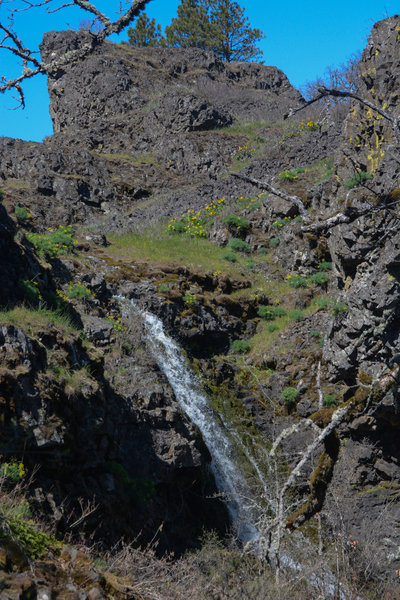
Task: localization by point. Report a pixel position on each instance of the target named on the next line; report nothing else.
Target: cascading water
(193, 401)
(217, 437)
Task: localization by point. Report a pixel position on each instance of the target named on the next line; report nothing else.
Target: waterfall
(195, 404)
(218, 436)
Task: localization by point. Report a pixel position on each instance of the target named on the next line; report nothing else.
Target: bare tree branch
(32, 66)
(276, 192)
(324, 91)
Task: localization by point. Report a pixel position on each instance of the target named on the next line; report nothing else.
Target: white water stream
(195, 404)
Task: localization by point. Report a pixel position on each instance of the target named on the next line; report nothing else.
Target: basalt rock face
(367, 252)
(123, 90)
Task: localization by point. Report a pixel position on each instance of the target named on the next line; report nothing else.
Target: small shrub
(163, 288)
(358, 178)
(176, 227)
(269, 313)
(249, 264)
(319, 278)
(244, 153)
(325, 265)
(30, 291)
(309, 126)
(116, 323)
(296, 314)
(315, 334)
(271, 327)
(22, 213)
(298, 219)
(240, 223)
(53, 243)
(324, 301)
(330, 400)
(339, 308)
(79, 291)
(281, 222)
(230, 256)
(127, 349)
(263, 251)
(289, 396)
(34, 543)
(297, 281)
(290, 175)
(190, 299)
(12, 471)
(240, 347)
(238, 245)
(273, 243)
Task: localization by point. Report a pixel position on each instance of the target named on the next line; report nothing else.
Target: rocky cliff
(283, 323)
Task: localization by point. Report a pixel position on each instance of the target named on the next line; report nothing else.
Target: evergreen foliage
(145, 33)
(217, 25)
(235, 40)
(191, 28)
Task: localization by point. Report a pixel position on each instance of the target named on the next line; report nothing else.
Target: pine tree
(235, 39)
(218, 25)
(145, 33)
(191, 27)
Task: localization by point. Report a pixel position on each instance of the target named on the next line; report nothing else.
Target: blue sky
(302, 39)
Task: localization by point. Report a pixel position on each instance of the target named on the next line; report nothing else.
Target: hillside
(286, 308)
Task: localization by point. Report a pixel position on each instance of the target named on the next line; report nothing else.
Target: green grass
(250, 129)
(162, 248)
(264, 339)
(31, 320)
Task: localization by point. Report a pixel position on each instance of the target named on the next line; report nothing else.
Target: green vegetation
(281, 222)
(32, 320)
(330, 400)
(290, 175)
(230, 256)
(195, 223)
(217, 25)
(339, 308)
(163, 288)
(358, 179)
(79, 291)
(35, 543)
(297, 281)
(324, 301)
(163, 248)
(12, 471)
(319, 278)
(53, 243)
(145, 33)
(296, 314)
(116, 322)
(273, 243)
(240, 223)
(289, 396)
(325, 266)
(23, 214)
(244, 153)
(30, 291)
(270, 313)
(240, 347)
(190, 299)
(238, 245)
(315, 334)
